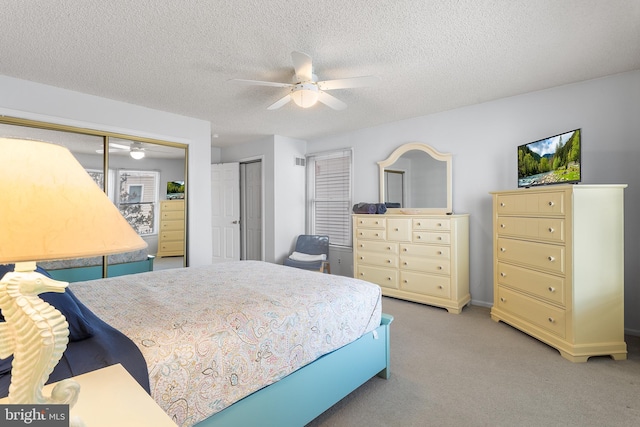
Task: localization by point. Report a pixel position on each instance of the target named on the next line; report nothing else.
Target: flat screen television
(553, 160)
(175, 190)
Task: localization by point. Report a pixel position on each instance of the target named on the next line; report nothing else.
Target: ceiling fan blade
(303, 66)
(331, 101)
(259, 83)
(348, 83)
(279, 103)
(118, 146)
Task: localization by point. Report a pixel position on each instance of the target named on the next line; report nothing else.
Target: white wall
(28, 100)
(483, 139)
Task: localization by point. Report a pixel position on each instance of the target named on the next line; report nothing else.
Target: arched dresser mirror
(418, 250)
(416, 178)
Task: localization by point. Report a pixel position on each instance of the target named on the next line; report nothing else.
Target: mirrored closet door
(144, 178)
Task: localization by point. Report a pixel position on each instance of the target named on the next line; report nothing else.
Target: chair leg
(325, 268)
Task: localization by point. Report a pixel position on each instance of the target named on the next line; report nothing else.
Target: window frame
(346, 238)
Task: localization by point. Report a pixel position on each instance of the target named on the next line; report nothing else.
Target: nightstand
(111, 397)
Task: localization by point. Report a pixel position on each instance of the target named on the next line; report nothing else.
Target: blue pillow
(66, 303)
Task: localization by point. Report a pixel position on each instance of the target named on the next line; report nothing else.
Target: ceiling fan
(135, 149)
(306, 90)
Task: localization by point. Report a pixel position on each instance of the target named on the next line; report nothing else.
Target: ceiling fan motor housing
(305, 94)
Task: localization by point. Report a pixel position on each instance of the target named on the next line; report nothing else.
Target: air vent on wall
(301, 161)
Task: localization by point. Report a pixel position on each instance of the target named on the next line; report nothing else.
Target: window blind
(329, 196)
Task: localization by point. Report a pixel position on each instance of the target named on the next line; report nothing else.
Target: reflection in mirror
(416, 179)
(136, 182)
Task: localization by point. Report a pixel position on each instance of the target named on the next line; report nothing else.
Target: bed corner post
(385, 322)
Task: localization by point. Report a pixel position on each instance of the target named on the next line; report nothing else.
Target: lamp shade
(52, 209)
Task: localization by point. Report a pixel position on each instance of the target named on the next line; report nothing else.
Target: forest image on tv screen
(552, 160)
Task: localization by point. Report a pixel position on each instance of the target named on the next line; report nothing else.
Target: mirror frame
(443, 157)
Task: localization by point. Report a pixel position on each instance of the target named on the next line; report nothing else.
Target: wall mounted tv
(553, 160)
(175, 190)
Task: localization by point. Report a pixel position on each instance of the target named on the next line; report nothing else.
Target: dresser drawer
(426, 265)
(172, 225)
(370, 222)
(399, 230)
(545, 203)
(376, 246)
(171, 246)
(550, 229)
(431, 237)
(371, 233)
(426, 284)
(387, 278)
(538, 255)
(172, 235)
(440, 252)
(543, 315)
(431, 224)
(171, 215)
(543, 285)
(172, 205)
(379, 259)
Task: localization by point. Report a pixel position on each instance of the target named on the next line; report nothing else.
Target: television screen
(553, 160)
(175, 190)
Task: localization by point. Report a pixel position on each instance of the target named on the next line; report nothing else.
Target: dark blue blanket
(93, 344)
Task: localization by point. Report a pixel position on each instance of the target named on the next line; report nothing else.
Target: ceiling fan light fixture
(305, 95)
(136, 153)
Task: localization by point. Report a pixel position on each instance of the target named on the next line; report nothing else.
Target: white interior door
(225, 211)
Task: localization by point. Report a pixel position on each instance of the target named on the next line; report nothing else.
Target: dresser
(420, 258)
(558, 262)
(172, 228)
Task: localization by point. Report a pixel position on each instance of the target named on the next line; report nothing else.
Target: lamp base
(36, 334)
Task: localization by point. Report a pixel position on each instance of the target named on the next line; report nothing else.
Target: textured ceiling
(431, 56)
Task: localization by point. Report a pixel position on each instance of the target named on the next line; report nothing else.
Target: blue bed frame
(306, 393)
(80, 274)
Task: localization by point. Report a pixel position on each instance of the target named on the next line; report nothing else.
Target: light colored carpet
(467, 370)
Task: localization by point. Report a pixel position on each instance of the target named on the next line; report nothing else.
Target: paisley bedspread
(214, 334)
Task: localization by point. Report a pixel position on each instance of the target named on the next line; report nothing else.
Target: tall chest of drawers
(559, 267)
(171, 234)
(421, 258)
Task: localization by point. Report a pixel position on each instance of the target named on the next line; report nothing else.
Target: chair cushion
(299, 256)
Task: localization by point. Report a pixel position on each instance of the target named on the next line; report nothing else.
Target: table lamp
(51, 209)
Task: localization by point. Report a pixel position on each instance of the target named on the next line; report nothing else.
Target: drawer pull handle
(439, 225)
(389, 278)
(377, 234)
(439, 286)
(503, 226)
(552, 289)
(551, 230)
(439, 237)
(419, 224)
(551, 320)
(405, 281)
(551, 203)
(439, 252)
(397, 229)
(503, 274)
(388, 248)
(377, 222)
(503, 250)
(388, 261)
(551, 259)
(361, 258)
(502, 204)
(439, 267)
(419, 237)
(406, 263)
(503, 299)
(405, 249)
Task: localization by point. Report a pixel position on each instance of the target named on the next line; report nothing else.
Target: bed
(81, 269)
(250, 343)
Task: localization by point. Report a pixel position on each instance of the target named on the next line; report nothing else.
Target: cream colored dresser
(421, 258)
(171, 237)
(559, 267)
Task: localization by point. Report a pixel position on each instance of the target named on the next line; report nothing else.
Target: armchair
(311, 253)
